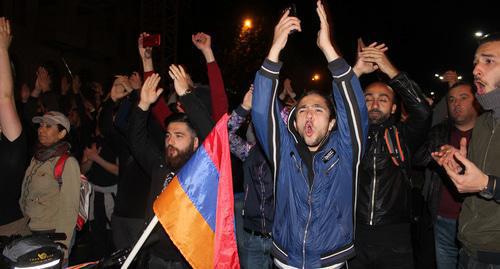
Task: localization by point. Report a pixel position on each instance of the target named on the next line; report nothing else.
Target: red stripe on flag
(226, 252)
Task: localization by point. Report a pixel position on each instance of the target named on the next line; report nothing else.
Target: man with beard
(443, 199)
(383, 208)
(475, 170)
(184, 132)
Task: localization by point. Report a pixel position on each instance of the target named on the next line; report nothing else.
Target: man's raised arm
(265, 113)
(352, 115)
(10, 125)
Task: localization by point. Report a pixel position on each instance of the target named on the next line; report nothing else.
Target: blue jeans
(445, 236)
(255, 251)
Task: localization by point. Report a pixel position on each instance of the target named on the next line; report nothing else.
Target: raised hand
(204, 43)
(363, 64)
(76, 84)
(181, 79)
(281, 32)
(471, 180)
(323, 41)
(118, 91)
(149, 92)
(91, 153)
(377, 56)
(5, 34)
(446, 154)
(42, 79)
(145, 53)
(135, 81)
(247, 99)
(124, 81)
(65, 85)
(451, 77)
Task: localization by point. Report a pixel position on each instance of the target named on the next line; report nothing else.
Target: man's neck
(465, 126)
(313, 149)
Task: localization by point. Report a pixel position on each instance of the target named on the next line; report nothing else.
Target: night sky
(424, 37)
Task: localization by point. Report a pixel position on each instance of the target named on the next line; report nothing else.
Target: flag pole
(140, 242)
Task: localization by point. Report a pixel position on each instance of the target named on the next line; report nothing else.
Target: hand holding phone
(293, 13)
(153, 40)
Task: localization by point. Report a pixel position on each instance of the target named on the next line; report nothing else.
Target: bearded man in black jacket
(383, 206)
(184, 132)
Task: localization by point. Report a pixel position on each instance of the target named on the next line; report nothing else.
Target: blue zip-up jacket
(313, 223)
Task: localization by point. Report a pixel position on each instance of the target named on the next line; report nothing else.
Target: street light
(247, 24)
(478, 34)
(440, 77)
(315, 77)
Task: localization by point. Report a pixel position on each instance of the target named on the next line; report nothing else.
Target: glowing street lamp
(247, 24)
(478, 34)
(315, 77)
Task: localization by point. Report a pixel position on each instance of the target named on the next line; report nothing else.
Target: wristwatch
(189, 90)
(489, 191)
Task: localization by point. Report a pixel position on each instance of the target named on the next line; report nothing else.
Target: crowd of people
(331, 179)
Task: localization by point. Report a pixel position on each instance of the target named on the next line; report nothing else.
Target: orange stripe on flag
(185, 225)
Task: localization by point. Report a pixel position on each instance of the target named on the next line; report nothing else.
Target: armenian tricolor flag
(197, 208)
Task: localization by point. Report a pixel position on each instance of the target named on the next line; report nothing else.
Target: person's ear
(331, 124)
(62, 134)
(195, 143)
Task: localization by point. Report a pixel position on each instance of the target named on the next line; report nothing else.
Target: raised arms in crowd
(10, 124)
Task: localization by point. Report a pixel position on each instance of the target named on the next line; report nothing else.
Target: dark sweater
(12, 165)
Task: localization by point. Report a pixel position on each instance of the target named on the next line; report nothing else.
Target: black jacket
(152, 159)
(435, 176)
(383, 192)
(259, 199)
(133, 183)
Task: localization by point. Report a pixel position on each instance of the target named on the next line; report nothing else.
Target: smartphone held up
(152, 40)
(293, 13)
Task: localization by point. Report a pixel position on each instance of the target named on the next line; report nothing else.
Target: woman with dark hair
(52, 204)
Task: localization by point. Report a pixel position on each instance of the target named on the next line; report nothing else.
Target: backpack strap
(58, 169)
(393, 143)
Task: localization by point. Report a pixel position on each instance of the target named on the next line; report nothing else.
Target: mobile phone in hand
(152, 40)
(293, 13)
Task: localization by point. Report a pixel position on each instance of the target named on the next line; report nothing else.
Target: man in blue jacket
(315, 157)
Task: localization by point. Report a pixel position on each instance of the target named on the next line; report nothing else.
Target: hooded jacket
(314, 192)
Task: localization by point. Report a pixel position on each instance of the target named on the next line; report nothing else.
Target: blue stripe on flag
(199, 179)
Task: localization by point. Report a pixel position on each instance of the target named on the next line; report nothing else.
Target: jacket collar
(375, 128)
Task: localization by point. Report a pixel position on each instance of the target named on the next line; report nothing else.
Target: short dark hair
(180, 117)
(328, 100)
(489, 38)
(462, 83)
